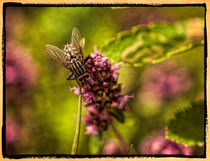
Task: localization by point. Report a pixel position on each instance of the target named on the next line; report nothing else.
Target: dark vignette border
(11, 4)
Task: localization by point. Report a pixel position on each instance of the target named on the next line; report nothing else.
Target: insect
(72, 57)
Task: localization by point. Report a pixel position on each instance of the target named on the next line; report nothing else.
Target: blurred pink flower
(20, 68)
(156, 143)
(163, 82)
(92, 129)
(111, 147)
(12, 130)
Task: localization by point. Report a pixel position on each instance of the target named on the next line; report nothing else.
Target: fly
(71, 57)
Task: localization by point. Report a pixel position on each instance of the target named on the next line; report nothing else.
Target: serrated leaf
(118, 114)
(151, 44)
(188, 126)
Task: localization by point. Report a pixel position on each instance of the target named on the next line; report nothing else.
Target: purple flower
(156, 143)
(100, 93)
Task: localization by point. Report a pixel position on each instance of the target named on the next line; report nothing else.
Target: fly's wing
(77, 40)
(57, 54)
(76, 37)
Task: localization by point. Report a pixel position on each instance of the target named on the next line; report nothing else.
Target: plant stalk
(120, 138)
(77, 132)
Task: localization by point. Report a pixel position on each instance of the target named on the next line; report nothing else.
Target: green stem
(127, 149)
(120, 138)
(77, 132)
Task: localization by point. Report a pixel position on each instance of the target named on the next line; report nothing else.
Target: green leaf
(118, 114)
(151, 44)
(188, 126)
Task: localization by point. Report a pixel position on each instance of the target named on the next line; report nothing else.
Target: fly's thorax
(71, 52)
(74, 59)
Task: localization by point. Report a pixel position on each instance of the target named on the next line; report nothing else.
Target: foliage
(116, 113)
(149, 44)
(188, 125)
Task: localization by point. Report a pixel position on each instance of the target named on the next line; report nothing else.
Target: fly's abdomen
(78, 68)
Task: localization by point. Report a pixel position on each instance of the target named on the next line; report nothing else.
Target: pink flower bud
(90, 80)
(93, 69)
(89, 61)
(92, 109)
(98, 59)
(123, 100)
(116, 66)
(87, 120)
(114, 76)
(76, 90)
(105, 84)
(91, 129)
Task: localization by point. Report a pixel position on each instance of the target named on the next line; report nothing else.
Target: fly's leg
(85, 60)
(69, 77)
(78, 82)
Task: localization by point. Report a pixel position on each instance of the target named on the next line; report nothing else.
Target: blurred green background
(40, 109)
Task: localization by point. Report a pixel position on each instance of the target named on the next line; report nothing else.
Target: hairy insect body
(75, 61)
(71, 57)
(71, 53)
